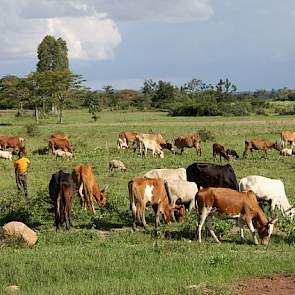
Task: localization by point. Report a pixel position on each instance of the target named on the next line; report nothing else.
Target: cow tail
(131, 194)
(196, 201)
(168, 191)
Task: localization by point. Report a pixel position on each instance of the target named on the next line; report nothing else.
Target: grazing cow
(188, 141)
(232, 153)
(152, 137)
(17, 143)
(146, 144)
(179, 212)
(59, 135)
(6, 155)
(62, 154)
(61, 191)
(270, 190)
(179, 173)
(60, 144)
(287, 136)
(218, 149)
(212, 175)
(182, 191)
(88, 187)
(286, 152)
(116, 164)
(261, 145)
(125, 139)
(143, 190)
(232, 204)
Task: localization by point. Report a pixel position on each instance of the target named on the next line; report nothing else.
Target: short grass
(90, 259)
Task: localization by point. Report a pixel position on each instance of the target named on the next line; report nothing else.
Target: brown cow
(287, 136)
(218, 149)
(188, 141)
(61, 191)
(88, 187)
(233, 204)
(126, 138)
(17, 143)
(59, 135)
(260, 144)
(143, 190)
(60, 144)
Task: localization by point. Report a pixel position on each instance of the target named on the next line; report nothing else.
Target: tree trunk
(36, 114)
(43, 105)
(60, 115)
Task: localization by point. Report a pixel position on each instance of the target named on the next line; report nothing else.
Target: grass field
(95, 257)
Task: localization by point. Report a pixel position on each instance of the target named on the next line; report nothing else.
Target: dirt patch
(276, 285)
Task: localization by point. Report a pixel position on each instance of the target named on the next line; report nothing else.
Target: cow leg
(241, 226)
(134, 215)
(209, 224)
(203, 216)
(181, 151)
(156, 208)
(252, 230)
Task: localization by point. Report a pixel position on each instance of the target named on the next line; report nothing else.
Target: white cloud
(24, 23)
(88, 26)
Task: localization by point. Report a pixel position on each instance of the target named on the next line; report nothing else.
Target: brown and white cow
(88, 187)
(287, 136)
(218, 149)
(260, 145)
(188, 141)
(148, 190)
(15, 142)
(60, 144)
(232, 204)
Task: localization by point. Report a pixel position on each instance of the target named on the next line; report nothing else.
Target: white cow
(167, 174)
(6, 155)
(62, 154)
(286, 152)
(268, 189)
(182, 190)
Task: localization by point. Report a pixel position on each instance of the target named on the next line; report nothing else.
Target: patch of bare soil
(276, 285)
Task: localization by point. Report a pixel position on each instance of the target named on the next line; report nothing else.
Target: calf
(125, 139)
(270, 190)
(260, 145)
(148, 190)
(218, 149)
(6, 155)
(173, 174)
(234, 205)
(61, 191)
(188, 141)
(116, 164)
(62, 154)
(212, 175)
(232, 153)
(146, 144)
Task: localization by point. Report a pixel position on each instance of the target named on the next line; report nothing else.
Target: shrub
(206, 135)
(32, 130)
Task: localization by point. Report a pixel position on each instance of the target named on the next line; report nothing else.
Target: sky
(123, 42)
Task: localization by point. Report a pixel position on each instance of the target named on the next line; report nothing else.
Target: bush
(32, 130)
(206, 135)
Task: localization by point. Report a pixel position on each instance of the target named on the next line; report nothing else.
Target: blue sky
(121, 43)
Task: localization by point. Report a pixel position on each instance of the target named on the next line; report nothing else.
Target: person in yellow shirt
(21, 173)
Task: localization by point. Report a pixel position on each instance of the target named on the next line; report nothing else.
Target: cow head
(179, 212)
(277, 146)
(265, 231)
(101, 197)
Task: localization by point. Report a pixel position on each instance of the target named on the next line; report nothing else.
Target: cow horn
(106, 188)
(273, 221)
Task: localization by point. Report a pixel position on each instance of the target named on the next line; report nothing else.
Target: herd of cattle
(209, 188)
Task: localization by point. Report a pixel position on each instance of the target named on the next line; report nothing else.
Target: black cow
(61, 191)
(232, 153)
(211, 175)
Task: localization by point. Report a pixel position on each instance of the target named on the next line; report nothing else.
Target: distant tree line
(53, 87)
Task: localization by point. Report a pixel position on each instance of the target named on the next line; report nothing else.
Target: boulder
(18, 230)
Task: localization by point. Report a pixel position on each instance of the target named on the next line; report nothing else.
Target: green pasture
(100, 254)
